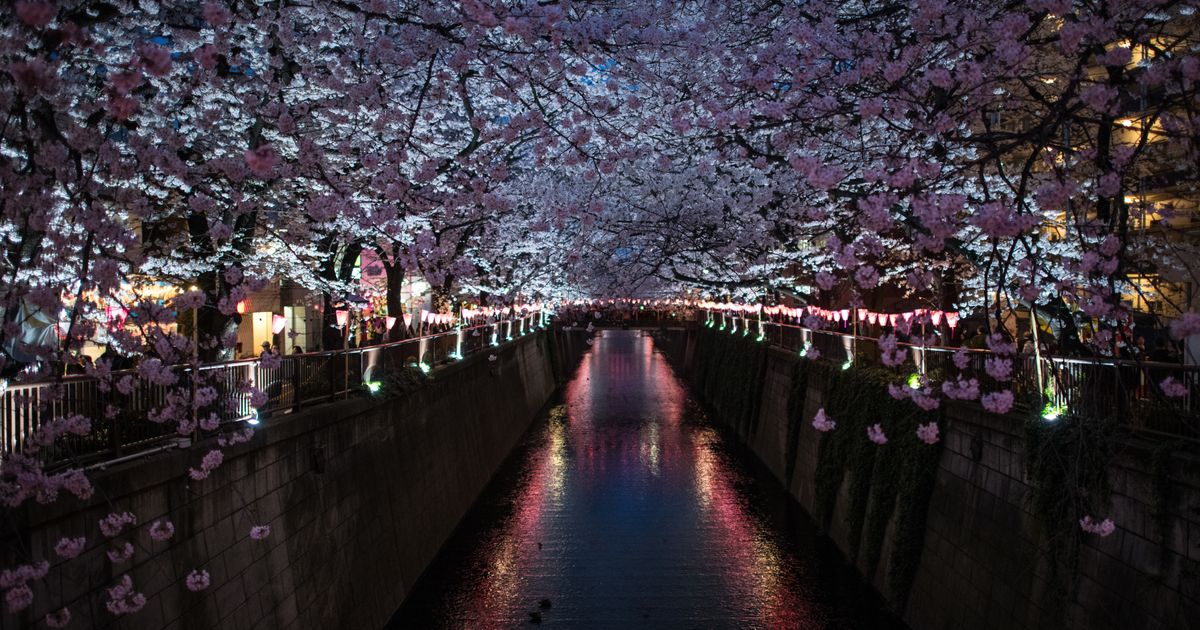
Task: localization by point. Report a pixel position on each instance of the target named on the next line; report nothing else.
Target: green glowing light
(760, 337)
(847, 364)
(373, 386)
(1052, 412)
(914, 381)
(425, 367)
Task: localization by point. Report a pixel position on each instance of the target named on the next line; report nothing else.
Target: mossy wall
(955, 535)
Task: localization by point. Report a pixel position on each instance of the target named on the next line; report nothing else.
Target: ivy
(730, 370)
(888, 485)
(1067, 468)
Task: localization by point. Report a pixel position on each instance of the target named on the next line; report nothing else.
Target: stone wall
(984, 563)
(360, 496)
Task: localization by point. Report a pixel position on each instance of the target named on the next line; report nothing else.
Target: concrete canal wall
(953, 535)
(360, 496)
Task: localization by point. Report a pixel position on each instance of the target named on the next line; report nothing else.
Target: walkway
(629, 510)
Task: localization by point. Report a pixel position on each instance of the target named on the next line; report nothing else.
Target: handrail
(299, 380)
(1130, 392)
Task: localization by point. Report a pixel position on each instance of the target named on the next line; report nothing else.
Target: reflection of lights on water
(556, 461)
(650, 446)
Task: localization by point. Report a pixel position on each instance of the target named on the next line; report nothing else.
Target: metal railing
(1099, 388)
(122, 409)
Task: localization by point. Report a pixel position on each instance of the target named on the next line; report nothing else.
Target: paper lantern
(844, 314)
(407, 320)
(424, 316)
(936, 316)
(342, 316)
(241, 307)
(862, 314)
(277, 323)
(871, 317)
(892, 319)
(908, 316)
(389, 322)
(952, 320)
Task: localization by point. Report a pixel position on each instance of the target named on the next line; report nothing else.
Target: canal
(627, 508)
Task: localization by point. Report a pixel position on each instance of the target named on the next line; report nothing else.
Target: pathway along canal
(626, 508)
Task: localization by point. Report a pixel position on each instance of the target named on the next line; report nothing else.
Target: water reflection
(628, 510)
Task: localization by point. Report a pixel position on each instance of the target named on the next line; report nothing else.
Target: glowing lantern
(389, 322)
(343, 317)
(908, 316)
(277, 323)
(407, 320)
(892, 319)
(844, 314)
(952, 320)
(871, 317)
(241, 307)
(862, 314)
(937, 317)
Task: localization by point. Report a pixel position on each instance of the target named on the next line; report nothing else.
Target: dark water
(631, 511)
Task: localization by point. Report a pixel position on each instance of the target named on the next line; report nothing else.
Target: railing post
(297, 364)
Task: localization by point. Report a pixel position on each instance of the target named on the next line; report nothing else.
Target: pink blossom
(206, 56)
(961, 389)
(113, 524)
(262, 160)
(1186, 325)
(122, 599)
(998, 402)
(23, 573)
(258, 398)
(998, 344)
(120, 554)
(998, 368)
(59, 618)
(925, 399)
(1102, 529)
(899, 392)
(237, 437)
(35, 13)
(962, 359)
(825, 280)
(208, 463)
(875, 434)
(18, 598)
(32, 76)
(215, 13)
(822, 423)
(155, 59)
(1172, 388)
(70, 547)
(197, 580)
(889, 352)
(928, 433)
(162, 530)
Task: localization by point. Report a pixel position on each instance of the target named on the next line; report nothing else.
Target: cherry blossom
(875, 434)
(928, 433)
(1103, 528)
(822, 423)
(998, 402)
(162, 530)
(197, 580)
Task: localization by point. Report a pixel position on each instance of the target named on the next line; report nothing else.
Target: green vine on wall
(730, 371)
(888, 484)
(1067, 467)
